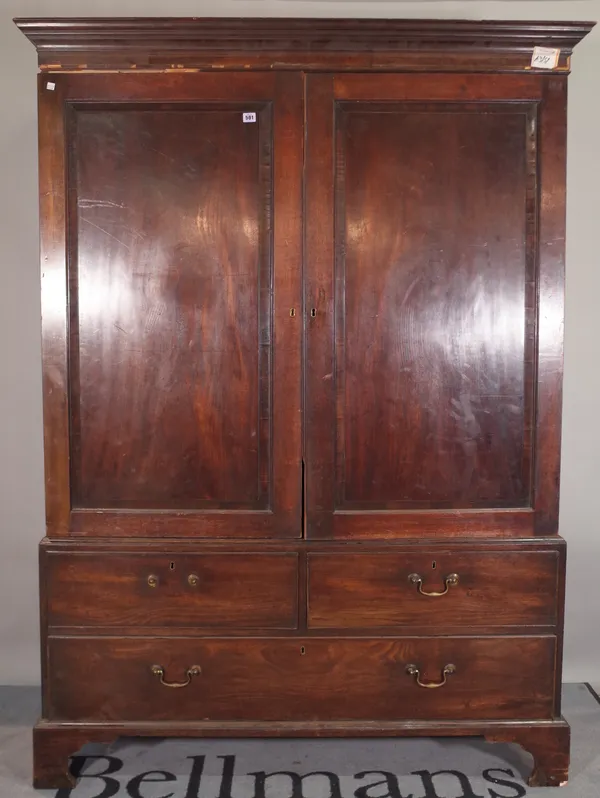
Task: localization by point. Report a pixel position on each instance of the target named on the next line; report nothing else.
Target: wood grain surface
(365, 590)
(226, 590)
(310, 679)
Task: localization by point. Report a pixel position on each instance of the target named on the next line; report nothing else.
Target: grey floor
(353, 767)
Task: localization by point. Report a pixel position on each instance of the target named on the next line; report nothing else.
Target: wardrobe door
(172, 248)
(435, 244)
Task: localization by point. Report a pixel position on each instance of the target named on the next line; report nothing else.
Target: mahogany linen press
(302, 293)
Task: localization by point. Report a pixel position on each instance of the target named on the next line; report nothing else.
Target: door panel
(431, 258)
(171, 258)
(183, 359)
(423, 272)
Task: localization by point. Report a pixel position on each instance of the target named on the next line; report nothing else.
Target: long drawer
(224, 590)
(300, 679)
(448, 589)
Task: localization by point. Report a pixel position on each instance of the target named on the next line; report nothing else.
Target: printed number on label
(249, 117)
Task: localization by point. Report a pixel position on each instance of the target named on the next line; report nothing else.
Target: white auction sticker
(249, 117)
(545, 57)
(50, 86)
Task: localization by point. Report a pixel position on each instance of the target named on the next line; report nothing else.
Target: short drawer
(300, 679)
(155, 590)
(432, 589)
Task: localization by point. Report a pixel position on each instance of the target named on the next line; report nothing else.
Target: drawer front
(154, 590)
(300, 679)
(479, 589)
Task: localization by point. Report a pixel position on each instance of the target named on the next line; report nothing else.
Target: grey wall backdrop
(21, 466)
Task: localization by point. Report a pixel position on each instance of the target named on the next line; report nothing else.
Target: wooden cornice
(261, 43)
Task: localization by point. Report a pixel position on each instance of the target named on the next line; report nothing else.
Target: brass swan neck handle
(158, 670)
(451, 580)
(412, 670)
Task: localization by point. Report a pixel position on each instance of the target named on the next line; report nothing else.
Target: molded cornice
(158, 42)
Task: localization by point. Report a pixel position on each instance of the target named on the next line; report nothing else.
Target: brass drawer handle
(451, 580)
(158, 670)
(412, 670)
(193, 580)
(152, 580)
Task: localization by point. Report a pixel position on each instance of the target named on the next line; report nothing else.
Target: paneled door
(434, 254)
(167, 307)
